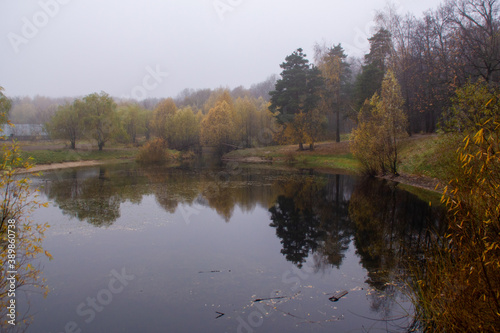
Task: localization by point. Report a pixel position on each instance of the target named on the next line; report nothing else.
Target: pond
(225, 250)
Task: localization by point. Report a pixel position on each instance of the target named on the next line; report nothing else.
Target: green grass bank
(422, 160)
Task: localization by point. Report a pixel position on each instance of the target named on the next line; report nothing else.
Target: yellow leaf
(49, 255)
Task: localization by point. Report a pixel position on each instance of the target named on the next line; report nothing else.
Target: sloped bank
(336, 157)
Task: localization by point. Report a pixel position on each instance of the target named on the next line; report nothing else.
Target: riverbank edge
(418, 181)
(72, 164)
(305, 161)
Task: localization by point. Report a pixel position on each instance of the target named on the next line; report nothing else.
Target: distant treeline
(221, 121)
(40, 109)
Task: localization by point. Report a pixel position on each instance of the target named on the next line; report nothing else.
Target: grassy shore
(326, 155)
(50, 152)
(420, 165)
(418, 156)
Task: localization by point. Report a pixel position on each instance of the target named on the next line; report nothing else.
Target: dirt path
(64, 165)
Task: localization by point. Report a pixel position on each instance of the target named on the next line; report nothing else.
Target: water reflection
(310, 216)
(95, 195)
(389, 224)
(313, 215)
(334, 225)
(88, 196)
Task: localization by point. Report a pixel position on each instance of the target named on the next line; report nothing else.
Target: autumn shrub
(188, 155)
(304, 128)
(20, 238)
(290, 158)
(153, 152)
(382, 124)
(366, 149)
(458, 287)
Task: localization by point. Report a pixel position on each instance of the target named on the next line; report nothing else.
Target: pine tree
(370, 79)
(297, 92)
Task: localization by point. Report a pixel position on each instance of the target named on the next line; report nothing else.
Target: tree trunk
(301, 146)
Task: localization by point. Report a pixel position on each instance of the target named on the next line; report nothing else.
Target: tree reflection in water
(320, 217)
(88, 195)
(313, 215)
(310, 217)
(389, 224)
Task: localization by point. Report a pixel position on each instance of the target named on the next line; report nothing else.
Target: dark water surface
(229, 250)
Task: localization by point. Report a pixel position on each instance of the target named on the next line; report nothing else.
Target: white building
(24, 132)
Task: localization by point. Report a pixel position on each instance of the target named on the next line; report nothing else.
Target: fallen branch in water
(338, 296)
(269, 299)
(277, 297)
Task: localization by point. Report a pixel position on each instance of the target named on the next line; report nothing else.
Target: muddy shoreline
(67, 165)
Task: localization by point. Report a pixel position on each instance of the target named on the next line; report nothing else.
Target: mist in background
(155, 49)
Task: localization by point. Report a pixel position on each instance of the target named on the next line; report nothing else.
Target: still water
(225, 250)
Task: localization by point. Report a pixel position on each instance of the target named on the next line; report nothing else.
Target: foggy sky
(156, 48)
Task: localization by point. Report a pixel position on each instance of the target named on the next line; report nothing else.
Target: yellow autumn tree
(217, 128)
(217, 96)
(382, 126)
(185, 129)
(161, 122)
(296, 130)
(459, 288)
(366, 145)
(20, 238)
(253, 122)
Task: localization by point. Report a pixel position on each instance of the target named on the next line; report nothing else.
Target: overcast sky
(156, 48)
